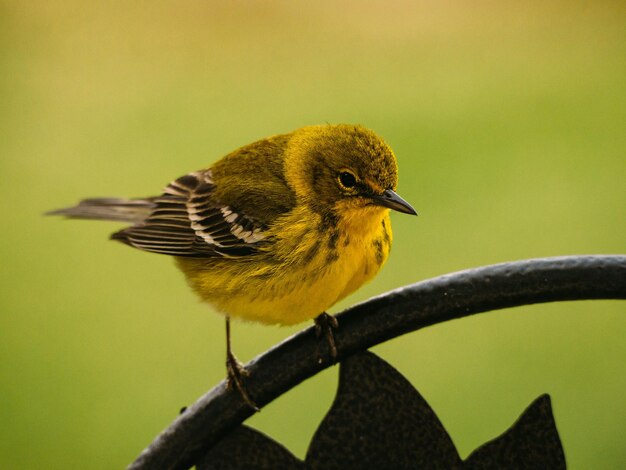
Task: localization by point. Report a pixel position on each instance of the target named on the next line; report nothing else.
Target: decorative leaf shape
(379, 420)
(532, 442)
(247, 449)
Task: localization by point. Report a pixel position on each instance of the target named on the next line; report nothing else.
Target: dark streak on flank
(311, 252)
(378, 249)
(332, 256)
(386, 237)
(332, 239)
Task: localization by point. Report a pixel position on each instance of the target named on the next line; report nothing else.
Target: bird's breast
(308, 269)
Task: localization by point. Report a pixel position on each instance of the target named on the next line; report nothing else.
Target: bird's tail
(123, 210)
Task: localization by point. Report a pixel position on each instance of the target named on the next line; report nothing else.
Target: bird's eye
(347, 179)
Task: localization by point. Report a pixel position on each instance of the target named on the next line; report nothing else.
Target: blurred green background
(508, 120)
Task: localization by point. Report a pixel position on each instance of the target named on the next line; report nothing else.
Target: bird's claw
(235, 379)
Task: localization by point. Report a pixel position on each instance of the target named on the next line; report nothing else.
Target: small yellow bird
(275, 232)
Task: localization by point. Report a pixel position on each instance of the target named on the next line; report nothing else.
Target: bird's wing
(186, 221)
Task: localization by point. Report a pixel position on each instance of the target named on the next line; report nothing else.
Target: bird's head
(346, 168)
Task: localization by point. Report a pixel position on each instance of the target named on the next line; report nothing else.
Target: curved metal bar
(381, 318)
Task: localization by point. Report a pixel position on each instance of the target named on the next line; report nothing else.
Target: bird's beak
(391, 200)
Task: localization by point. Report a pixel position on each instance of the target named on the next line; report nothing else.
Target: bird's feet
(235, 379)
(325, 324)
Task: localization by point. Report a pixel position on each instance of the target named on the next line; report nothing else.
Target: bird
(275, 232)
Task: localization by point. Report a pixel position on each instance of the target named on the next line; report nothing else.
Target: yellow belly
(305, 279)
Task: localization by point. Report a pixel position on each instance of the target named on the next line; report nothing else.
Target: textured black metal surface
(378, 420)
(532, 442)
(379, 319)
(247, 449)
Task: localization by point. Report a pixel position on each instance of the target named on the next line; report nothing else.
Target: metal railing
(379, 319)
